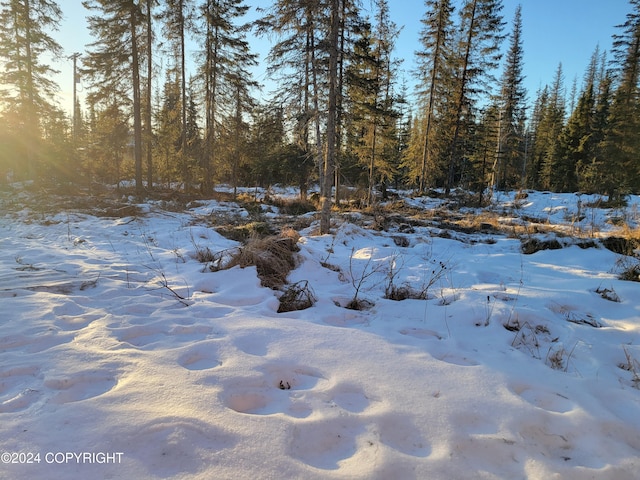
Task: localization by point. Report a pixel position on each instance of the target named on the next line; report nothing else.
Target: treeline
(340, 114)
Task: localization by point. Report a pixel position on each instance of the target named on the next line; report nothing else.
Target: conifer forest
(171, 101)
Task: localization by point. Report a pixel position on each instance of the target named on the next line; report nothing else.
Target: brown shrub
(273, 257)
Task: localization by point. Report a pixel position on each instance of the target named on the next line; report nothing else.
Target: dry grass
(274, 257)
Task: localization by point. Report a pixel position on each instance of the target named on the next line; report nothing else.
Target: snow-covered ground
(122, 356)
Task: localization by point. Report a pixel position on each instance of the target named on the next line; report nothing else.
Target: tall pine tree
(623, 140)
(478, 55)
(512, 105)
(224, 44)
(26, 89)
(436, 38)
(113, 62)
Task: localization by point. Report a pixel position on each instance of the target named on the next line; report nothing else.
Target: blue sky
(554, 31)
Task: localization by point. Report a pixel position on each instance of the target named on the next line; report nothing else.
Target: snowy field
(124, 357)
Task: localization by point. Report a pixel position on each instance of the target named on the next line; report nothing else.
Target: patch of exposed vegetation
(274, 257)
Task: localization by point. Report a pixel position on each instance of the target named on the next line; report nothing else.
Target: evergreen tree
(479, 53)
(108, 144)
(148, 93)
(435, 38)
(192, 130)
(594, 174)
(485, 156)
(512, 104)
(266, 141)
(575, 144)
(296, 61)
(169, 130)
(548, 135)
(224, 44)
(242, 104)
(175, 15)
(27, 91)
(113, 62)
(623, 140)
(537, 134)
(369, 87)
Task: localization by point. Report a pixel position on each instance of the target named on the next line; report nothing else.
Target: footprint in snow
(148, 335)
(21, 401)
(543, 399)
(16, 393)
(282, 388)
(80, 386)
(199, 357)
(420, 333)
(327, 444)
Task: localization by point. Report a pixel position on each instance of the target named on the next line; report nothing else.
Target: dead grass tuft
(274, 257)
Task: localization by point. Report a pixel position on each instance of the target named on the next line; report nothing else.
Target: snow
(115, 340)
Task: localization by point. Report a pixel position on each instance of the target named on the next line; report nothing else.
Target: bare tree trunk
(460, 99)
(426, 156)
(329, 163)
(137, 113)
(183, 89)
(148, 121)
(31, 117)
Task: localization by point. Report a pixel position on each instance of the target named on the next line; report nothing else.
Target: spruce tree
(369, 88)
(512, 105)
(175, 16)
(575, 144)
(622, 144)
(297, 61)
(169, 131)
(223, 45)
(478, 55)
(27, 91)
(436, 38)
(113, 62)
(548, 135)
(594, 175)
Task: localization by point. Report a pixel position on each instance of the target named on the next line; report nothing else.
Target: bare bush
(298, 296)
(631, 365)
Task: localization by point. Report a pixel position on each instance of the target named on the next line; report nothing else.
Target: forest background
(170, 100)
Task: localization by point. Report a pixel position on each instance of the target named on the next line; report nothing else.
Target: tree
(175, 16)
(551, 122)
(108, 142)
(373, 115)
(169, 129)
(512, 106)
(241, 104)
(297, 60)
(623, 140)
(113, 62)
(332, 111)
(479, 47)
(148, 109)
(26, 88)
(435, 37)
(594, 174)
(224, 47)
(575, 144)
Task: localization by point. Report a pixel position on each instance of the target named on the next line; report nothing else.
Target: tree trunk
(329, 163)
(460, 99)
(137, 114)
(148, 120)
